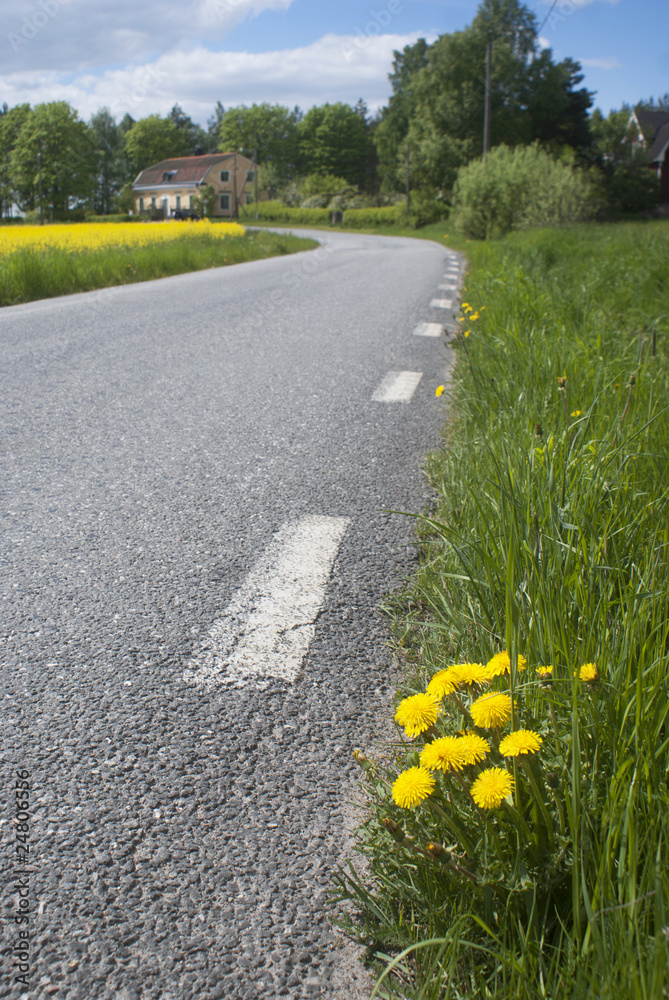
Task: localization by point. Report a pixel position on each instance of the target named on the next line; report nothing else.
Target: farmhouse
(174, 185)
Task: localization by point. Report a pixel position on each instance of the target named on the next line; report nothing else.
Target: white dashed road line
(441, 303)
(268, 626)
(429, 330)
(397, 387)
(450, 287)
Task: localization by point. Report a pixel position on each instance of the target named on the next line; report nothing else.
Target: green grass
(27, 275)
(548, 536)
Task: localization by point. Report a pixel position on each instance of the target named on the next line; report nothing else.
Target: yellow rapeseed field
(100, 235)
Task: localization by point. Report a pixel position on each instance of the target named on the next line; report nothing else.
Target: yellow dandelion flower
(443, 683)
(576, 413)
(461, 319)
(491, 788)
(545, 673)
(501, 664)
(466, 306)
(417, 713)
(491, 710)
(412, 787)
(588, 672)
(519, 742)
(481, 308)
(470, 673)
(474, 315)
(474, 748)
(444, 754)
(438, 391)
(467, 332)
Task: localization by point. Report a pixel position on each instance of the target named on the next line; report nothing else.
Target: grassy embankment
(41, 262)
(548, 539)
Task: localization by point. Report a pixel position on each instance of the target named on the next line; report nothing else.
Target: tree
(440, 91)
(334, 139)
(153, 139)
(11, 123)
(214, 126)
(393, 125)
(68, 157)
(269, 130)
(627, 182)
(110, 166)
(197, 140)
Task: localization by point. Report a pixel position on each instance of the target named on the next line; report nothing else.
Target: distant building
(174, 185)
(652, 129)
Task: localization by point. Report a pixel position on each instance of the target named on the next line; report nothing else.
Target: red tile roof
(187, 169)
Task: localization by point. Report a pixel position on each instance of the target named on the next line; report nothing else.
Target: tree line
(433, 123)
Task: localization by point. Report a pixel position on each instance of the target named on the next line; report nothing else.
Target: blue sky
(143, 56)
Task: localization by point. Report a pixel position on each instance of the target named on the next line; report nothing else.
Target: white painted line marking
(441, 303)
(450, 287)
(397, 387)
(429, 330)
(268, 626)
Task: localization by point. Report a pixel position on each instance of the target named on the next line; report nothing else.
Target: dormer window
(225, 176)
(168, 175)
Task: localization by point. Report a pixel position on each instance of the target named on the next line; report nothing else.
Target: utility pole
(408, 180)
(234, 185)
(486, 103)
(39, 164)
(255, 177)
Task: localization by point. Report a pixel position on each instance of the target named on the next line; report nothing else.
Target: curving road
(198, 476)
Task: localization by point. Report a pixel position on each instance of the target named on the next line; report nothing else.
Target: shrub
(366, 218)
(519, 188)
(426, 208)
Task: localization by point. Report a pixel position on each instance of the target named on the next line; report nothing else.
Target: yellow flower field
(101, 235)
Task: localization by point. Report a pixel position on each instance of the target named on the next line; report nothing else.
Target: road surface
(198, 479)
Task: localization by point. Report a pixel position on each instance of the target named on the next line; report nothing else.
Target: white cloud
(610, 63)
(71, 35)
(333, 68)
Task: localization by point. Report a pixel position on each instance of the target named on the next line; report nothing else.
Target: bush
(426, 208)
(366, 218)
(629, 187)
(276, 211)
(519, 188)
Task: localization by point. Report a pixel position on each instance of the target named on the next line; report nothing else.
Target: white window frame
(225, 176)
(224, 198)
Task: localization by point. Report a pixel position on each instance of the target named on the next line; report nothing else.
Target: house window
(141, 204)
(177, 202)
(191, 201)
(225, 176)
(225, 202)
(250, 175)
(153, 201)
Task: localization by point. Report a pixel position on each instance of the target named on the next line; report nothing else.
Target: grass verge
(535, 864)
(29, 274)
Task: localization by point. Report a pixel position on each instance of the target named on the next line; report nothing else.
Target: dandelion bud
(394, 829)
(562, 382)
(552, 780)
(538, 430)
(359, 757)
(436, 849)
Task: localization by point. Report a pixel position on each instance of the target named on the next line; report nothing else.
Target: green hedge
(365, 218)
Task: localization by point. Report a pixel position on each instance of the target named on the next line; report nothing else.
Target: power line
(547, 16)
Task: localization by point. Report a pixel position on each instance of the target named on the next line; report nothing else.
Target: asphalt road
(158, 441)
